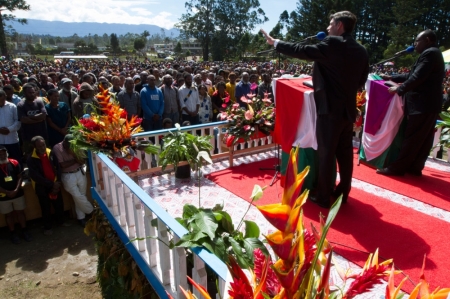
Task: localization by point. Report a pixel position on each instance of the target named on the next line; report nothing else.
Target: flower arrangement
(305, 258)
(107, 130)
(360, 107)
(243, 123)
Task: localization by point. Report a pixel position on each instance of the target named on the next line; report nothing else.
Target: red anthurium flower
(245, 100)
(230, 140)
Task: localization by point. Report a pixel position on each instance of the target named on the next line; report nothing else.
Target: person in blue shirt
(10, 95)
(58, 118)
(243, 89)
(152, 103)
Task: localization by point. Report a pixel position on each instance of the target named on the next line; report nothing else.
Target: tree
(139, 44)
(30, 48)
(114, 43)
(92, 48)
(198, 23)
(178, 49)
(80, 46)
(207, 19)
(244, 44)
(9, 5)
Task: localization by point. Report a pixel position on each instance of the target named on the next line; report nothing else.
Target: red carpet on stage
(433, 187)
(241, 179)
(366, 223)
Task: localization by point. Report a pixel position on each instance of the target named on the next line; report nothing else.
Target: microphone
(320, 36)
(408, 50)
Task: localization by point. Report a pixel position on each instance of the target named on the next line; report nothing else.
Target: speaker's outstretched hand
(270, 40)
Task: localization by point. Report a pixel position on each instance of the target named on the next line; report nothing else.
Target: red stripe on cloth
(289, 104)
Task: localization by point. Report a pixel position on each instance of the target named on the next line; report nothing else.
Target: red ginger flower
(372, 274)
(239, 290)
(272, 284)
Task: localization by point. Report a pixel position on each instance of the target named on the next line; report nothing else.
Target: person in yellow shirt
(231, 86)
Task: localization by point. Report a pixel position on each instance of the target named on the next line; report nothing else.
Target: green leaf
(189, 211)
(217, 208)
(218, 216)
(257, 193)
(239, 254)
(251, 229)
(185, 241)
(219, 248)
(206, 222)
(227, 223)
(331, 216)
(250, 244)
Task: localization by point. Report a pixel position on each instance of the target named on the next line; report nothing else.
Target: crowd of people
(41, 99)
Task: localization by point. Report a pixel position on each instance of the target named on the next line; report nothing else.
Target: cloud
(100, 11)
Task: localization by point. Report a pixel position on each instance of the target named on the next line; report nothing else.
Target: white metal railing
(131, 211)
(219, 150)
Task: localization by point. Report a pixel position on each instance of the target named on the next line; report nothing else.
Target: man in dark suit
(340, 69)
(422, 88)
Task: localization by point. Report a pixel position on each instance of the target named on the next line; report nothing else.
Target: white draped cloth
(375, 145)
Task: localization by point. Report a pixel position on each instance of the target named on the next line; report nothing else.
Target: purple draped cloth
(379, 100)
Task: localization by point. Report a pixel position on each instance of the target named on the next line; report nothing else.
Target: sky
(161, 13)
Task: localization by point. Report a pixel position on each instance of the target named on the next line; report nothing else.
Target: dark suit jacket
(340, 69)
(422, 86)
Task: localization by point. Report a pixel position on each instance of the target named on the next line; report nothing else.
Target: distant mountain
(63, 29)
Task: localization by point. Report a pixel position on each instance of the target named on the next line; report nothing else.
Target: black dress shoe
(336, 195)
(415, 172)
(388, 172)
(315, 200)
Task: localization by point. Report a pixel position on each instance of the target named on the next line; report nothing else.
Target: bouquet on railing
(259, 117)
(305, 257)
(107, 130)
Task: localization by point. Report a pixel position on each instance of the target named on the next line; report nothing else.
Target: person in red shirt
(12, 201)
(44, 171)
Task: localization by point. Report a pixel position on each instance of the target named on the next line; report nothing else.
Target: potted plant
(444, 123)
(182, 146)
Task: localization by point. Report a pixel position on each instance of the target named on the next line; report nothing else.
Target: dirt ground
(62, 265)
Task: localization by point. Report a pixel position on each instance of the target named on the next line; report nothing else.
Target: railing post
(164, 253)
(151, 242)
(131, 223)
(121, 199)
(139, 217)
(114, 199)
(199, 274)
(179, 268)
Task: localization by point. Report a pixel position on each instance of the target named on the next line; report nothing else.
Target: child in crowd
(205, 112)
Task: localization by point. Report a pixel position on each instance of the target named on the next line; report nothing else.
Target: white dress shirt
(192, 100)
(9, 119)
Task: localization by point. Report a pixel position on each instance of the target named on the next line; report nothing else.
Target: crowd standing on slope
(40, 99)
